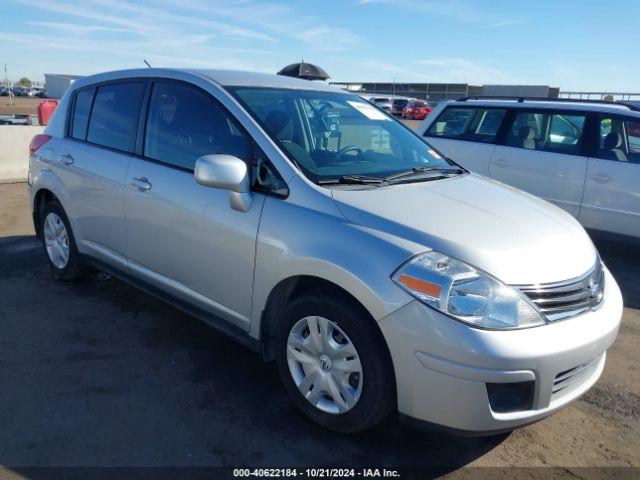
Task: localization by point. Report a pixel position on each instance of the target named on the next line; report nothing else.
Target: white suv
(582, 156)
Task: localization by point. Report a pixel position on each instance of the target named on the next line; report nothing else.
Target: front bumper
(443, 366)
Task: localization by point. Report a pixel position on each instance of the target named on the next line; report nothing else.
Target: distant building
(436, 92)
(431, 91)
(521, 91)
(57, 84)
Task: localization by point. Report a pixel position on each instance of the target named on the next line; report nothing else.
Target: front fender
(296, 240)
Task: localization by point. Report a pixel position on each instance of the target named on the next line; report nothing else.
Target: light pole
(394, 85)
(6, 78)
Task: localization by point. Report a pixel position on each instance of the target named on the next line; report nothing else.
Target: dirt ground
(21, 106)
(98, 374)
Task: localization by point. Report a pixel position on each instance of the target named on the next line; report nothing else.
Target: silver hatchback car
(317, 230)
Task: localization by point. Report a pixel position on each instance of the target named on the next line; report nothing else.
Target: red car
(416, 110)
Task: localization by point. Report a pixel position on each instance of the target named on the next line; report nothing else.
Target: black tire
(74, 268)
(378, 397)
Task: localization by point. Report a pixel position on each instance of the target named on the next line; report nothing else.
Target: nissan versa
(314, 228)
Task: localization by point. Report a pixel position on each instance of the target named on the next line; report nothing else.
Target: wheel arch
(41, 197)
(283, 293)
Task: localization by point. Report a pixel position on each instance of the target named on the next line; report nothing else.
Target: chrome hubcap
(324, 364)
(56, 240)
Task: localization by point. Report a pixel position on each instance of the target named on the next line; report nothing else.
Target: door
(467, 135)
(611, 199)
(542, 155)
(92, 164)
(183, 237)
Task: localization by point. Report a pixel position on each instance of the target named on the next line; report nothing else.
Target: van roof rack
(630, 106)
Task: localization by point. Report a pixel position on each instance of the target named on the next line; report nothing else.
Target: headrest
(612, 140)
(277, 120)
(527, 133)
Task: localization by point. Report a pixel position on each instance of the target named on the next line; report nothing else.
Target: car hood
(512, 235)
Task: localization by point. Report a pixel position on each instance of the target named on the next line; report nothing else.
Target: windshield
(328, 135)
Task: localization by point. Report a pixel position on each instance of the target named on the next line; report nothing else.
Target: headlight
(465, 292)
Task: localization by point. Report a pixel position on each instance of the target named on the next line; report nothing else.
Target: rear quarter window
(81, 110)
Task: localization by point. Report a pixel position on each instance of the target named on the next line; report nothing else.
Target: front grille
(561, 300)
(567, 381)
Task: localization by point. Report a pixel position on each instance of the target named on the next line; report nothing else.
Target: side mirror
(228, 173)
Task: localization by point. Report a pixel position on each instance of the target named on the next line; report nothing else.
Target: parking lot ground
(97, 374)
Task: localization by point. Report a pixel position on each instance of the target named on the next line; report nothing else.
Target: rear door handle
(67, 159)
(601, 178)
(140, 184)
(502, 162)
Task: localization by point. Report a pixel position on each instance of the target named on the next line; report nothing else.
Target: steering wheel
(351, 148)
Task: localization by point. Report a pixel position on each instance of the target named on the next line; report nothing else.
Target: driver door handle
(67, 159)
(601, 177)
(140, 184)
(502, 162)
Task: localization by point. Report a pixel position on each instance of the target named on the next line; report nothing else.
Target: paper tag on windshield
(380, 139)
(368, 110)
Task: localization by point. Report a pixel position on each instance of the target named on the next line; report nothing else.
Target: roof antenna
(145, 61)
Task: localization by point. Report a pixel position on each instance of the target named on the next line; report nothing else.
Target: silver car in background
(317, 230)
(381, 102)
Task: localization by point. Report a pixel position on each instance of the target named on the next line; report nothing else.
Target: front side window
(82, 108)
(474, 124)
(185, 123)
(114, 115)
(619, 139)
(548, 132)
(329, 134)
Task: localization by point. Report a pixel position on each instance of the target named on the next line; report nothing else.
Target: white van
(582, 156)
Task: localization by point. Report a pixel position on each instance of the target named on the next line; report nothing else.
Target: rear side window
(81, 111)
(619, 139)
(474, 124)
(548, 132)
(185, 123)
(114, 116)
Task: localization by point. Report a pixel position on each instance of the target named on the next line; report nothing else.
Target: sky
(575, 45)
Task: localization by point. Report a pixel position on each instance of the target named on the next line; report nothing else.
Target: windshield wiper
(351, 180)
(420, 170)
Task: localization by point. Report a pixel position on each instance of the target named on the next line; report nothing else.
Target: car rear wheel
(334, 362)
(59, 244)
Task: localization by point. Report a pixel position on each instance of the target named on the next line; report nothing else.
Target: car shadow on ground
(100, 374)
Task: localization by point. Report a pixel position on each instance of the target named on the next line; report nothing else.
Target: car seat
(281, 126)
(612, 143)
(527, 136)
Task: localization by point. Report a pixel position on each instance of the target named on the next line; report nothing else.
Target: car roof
(225, 78)
(554, 104)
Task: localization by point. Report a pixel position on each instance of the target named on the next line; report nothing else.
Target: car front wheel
(334, 362)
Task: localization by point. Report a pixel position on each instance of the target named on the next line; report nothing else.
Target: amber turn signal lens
(419, 285)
